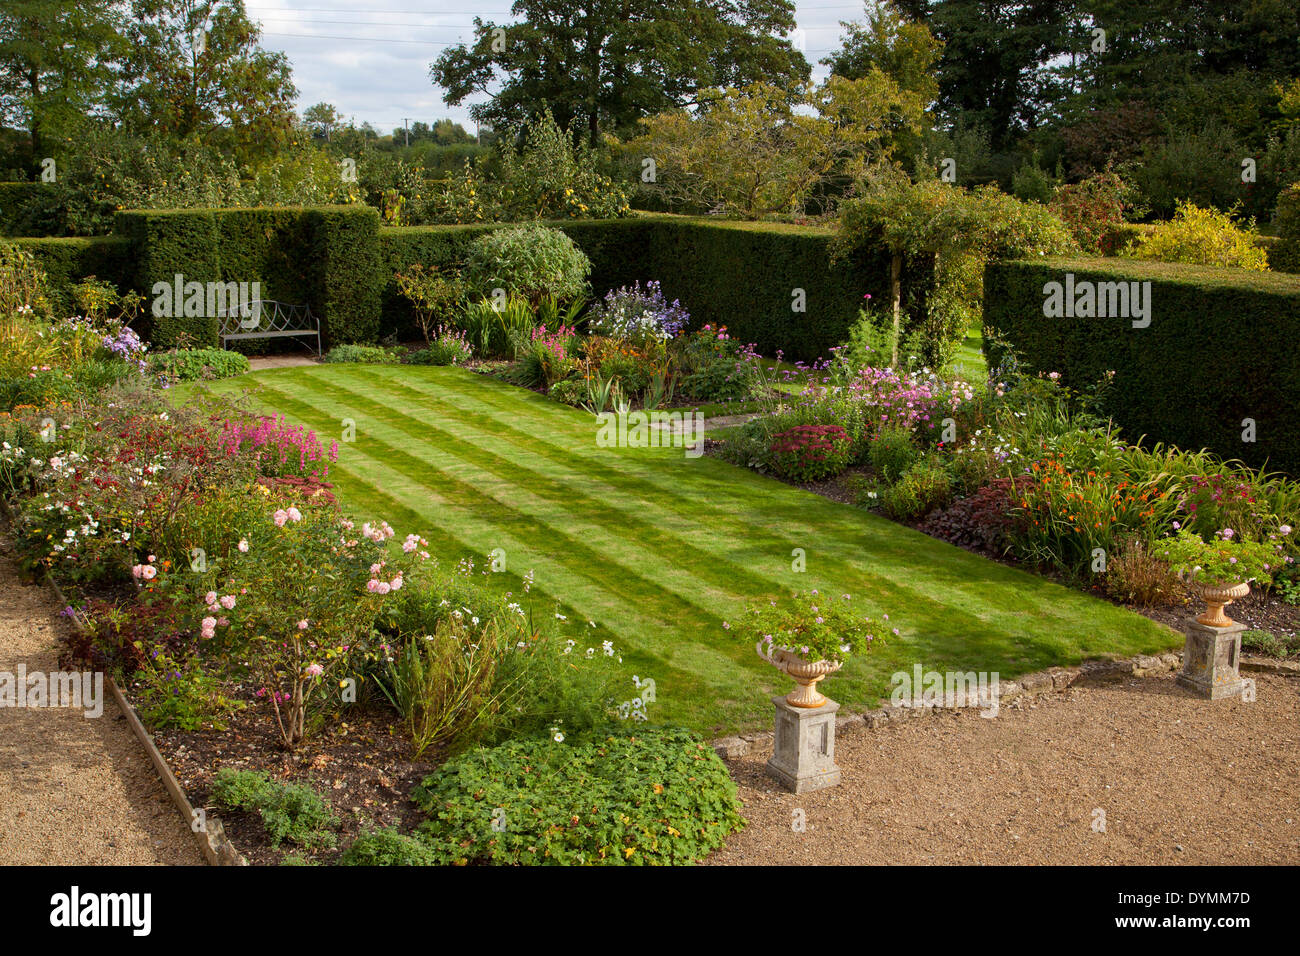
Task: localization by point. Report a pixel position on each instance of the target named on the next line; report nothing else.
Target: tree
(197, 70)
(994, 60)
(905, 51)
(605, 64)
(759, 149)
(960, 228)
(321, 119)
(56, 62)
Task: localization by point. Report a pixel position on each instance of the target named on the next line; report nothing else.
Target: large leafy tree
(56, 62)
(761, 149)
(993, 68)
(197, 71)
(605, 64)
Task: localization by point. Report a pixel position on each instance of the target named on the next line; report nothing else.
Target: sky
(370, 58)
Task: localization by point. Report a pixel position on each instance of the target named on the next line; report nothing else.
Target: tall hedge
(323, 257)
(741, 275)
(20, 215)
(1220, 349)
(67, 261)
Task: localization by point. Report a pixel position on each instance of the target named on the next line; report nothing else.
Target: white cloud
(372, 62)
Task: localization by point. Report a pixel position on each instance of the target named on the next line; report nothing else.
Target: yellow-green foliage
(1206, 237)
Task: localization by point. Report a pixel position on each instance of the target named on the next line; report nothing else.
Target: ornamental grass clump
(814, 626)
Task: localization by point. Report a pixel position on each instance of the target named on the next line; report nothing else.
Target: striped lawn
(659, 550)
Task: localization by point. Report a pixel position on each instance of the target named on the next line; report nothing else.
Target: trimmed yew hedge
(738, 274)
(67, 261)
(324, 257)
(1221, 348)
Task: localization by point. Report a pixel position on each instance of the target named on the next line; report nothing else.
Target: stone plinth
(1210, 659)
(803, 752)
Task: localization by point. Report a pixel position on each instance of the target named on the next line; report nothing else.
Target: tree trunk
(895, 291)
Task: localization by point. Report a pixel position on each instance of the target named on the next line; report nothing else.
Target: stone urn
(1215, 597)
(806, 674)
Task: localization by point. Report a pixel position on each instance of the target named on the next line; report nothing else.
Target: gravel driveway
(73, 790)
(1180, 780)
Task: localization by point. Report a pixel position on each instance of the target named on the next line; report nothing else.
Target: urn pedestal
(803, 752)
(1210, 659)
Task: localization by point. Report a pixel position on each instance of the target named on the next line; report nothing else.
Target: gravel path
(1181, 780)
(73, 790)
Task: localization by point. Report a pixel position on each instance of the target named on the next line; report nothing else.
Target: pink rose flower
(228, 601)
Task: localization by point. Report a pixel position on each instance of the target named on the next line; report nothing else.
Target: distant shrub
(188, 365)
(1207, 237)
(369, 354)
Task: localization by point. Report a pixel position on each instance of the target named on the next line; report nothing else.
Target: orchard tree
(605, 64)
(760, 149)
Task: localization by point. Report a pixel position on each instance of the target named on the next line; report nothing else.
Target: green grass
(659, 550)
(969, 361)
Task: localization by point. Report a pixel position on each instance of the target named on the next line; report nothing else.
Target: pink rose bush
(296, 604)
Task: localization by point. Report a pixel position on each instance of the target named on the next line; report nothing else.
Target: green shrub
(1286, 217)
(66, 261)
(1175, 381)
(1269, 644)
(187, 365)
(892, 452)
(571, 391)
(370, 354)
(532, 261)
(655, 797)
(289, 811)
(387, 848)
(1206, 237)
(811, 452)
(918, 492)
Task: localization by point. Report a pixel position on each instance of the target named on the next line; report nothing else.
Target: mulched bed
(363, 767)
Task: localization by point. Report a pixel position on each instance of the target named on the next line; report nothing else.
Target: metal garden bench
(268, 319)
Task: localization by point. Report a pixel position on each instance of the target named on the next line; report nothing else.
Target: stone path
(73, 791)
(259, 363)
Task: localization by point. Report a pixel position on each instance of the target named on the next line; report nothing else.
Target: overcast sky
(370, 58)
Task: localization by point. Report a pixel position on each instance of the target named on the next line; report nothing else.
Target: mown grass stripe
(577, 557)
(921, 591)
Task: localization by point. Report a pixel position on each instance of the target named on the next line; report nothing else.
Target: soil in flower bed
(363, 767)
